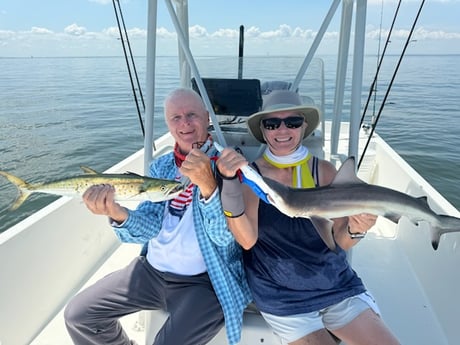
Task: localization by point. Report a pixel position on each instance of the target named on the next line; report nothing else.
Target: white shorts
(294, 327)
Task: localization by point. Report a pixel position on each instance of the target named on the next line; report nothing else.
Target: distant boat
(48, 257)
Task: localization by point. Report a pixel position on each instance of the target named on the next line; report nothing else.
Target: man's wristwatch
(356, 235)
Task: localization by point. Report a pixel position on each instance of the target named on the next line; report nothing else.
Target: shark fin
(347, 173)
(423, 199)
(324, 228)
(435, 237)
(394, 217)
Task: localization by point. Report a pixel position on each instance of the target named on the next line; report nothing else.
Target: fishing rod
(408, 40)
(127, 63)
(373, 87)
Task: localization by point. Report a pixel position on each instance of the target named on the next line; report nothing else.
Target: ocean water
(59, 113)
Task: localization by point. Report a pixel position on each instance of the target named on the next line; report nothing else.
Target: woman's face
(283, 131)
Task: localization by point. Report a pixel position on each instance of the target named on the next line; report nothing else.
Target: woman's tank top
(291, 271)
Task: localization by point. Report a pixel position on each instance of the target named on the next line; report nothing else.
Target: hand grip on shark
(252, 178)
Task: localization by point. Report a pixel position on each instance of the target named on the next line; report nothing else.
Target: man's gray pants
(195, 315)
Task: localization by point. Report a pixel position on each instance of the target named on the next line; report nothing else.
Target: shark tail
(22, 186)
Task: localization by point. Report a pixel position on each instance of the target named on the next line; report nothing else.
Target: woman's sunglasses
(290, 122)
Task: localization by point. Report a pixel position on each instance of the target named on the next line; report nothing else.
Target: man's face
(187, 120)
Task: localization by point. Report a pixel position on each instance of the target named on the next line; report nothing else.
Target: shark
(348, 195)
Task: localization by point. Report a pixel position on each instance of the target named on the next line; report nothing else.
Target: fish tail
(22, 186)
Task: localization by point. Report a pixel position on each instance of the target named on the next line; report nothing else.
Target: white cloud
(422, 34)
(387, 2)
(197, 31)
(40, 31)
(163, 33)
(418, 34)
(112, 32)
(226, 33)
(283, 40)
(283, 31)
(75, 30)
(106, 2)
(6, 35)
(137, 33)
(102, 2)
(253, 31)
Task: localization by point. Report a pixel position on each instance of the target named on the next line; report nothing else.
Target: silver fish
(348, 195)
(128, 186)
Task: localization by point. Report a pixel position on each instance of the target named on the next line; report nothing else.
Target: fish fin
(424, 199)
(347, 173)
(435, 237)
(88, 170)
(22, 187)
(324, 228)
(394, 217)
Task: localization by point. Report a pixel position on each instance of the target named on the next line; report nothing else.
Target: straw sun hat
(283, 100)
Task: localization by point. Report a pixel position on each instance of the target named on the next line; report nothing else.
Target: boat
(46, 259)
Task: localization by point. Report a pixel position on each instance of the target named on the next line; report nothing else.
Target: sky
(48, 28)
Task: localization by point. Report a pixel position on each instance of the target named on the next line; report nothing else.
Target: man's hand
(100, 199)
(197, 167)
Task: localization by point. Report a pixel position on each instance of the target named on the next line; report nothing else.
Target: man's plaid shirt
(221, 253)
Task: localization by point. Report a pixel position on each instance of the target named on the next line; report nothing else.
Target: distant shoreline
(200, 56)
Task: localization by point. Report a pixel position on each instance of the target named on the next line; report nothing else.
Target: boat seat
(255, 330)
(271, 85)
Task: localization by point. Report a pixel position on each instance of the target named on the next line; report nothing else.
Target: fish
(128, 186)
(348, 195)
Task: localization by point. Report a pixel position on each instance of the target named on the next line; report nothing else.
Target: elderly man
(190, 266)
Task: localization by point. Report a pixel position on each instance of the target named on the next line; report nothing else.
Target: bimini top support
(184, 45)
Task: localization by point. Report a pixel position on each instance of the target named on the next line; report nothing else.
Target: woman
(304, 290)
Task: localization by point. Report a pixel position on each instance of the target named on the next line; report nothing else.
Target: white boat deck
(386, 270)
(414, 285)
(399, 293)
(56, 332)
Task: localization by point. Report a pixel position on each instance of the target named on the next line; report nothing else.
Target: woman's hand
(229, 162)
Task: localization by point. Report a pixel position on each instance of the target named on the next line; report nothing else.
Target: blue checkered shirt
(220, 251)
